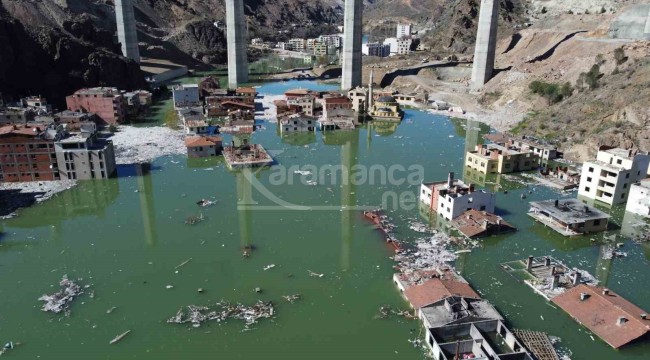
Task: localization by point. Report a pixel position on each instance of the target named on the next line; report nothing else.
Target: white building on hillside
(399, 46)
(609, 177)
(638, 202)
(453, 197)
(404, 30)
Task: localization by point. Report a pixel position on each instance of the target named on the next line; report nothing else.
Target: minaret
(352, 34)
(237, 43)
(370, 92)
(486, 43)
(127, 33)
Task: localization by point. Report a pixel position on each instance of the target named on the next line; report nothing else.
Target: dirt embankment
(560, 47)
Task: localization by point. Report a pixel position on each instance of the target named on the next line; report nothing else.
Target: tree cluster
(553, 93)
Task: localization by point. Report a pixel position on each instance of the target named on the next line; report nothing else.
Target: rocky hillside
(451, 24)
(51, 47)
(48, 58)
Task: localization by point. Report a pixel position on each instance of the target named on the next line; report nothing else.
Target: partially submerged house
(203, 146)
(500, 159)
(453, 197)
(297, 123)
(569, 216)
(605, 313)
(474, 224)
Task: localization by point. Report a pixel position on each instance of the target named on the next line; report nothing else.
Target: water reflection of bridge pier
(147, 210)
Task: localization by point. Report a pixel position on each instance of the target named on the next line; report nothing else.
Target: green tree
(593, 76)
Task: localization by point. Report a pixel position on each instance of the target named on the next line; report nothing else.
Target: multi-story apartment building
(27, 153)
(375, 49)
(334, 39)
(609, 177)
(404, 30)
(108, 103)
(399, 46)
(500, 159)
(451, 198)
(85, 156)
(298, 44)
(186, 95)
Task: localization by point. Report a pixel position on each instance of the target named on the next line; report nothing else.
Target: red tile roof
(470, 223)
(600, 314)
(194, 141)
(437, 289)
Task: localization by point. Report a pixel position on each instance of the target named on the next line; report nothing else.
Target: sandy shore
(145, 144)
(14, 196)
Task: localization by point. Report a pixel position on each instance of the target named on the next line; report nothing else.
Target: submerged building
(638, 201)
(608, 178)
(500, 159)
(451, 198)
(569, 216)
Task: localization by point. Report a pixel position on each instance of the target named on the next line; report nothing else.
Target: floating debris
(111, 310)
(258, 290)
(169, 287)
(206, 202)
(183, 264)
(267, 267)
(61, 300)
(313, 274)
(193, 220)
(119, 337)
(8, 346)
(196, 315)
(384, 312)
(302, 172)
(291, 298)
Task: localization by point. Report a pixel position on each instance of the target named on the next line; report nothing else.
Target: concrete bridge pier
(237, 43)
(127, 33)
(352, 34)
(486, 42)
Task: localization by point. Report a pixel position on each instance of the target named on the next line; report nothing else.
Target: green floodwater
(125, 236)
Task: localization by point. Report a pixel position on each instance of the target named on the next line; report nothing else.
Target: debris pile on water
(386, 311)
(429, 254)
(60, 301)
(291, 298)
(221, 311)
(609, 252)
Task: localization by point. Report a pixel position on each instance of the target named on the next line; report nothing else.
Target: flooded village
(211, 215)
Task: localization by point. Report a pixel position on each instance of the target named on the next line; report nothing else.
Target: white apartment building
(608, 179)
(399, 46)
(297, 123)
(451, 198)
(186, 95)
(638, 202)
(334, 39)
(404, 30)
(298, 44)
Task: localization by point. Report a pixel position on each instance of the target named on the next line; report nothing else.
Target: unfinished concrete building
(351, 76)
(486, 42)
(237, 43)
(127, 33)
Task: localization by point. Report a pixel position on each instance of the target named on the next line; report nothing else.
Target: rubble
(135, 145)
(429, 254)
(30, 192)
(60, 301)
(222, 311)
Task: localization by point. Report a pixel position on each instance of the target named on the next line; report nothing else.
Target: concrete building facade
(609, 177)
(500, 159)
(569, 216)
(486, 43)
(186, 95)
(375, 49)
(85, 157)
(107, 103)
(404, 30)
(127, 33)
(27, 153)
(236, 28)
(451, 198)
(351, 75)
(638, 202)
(297, 123)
